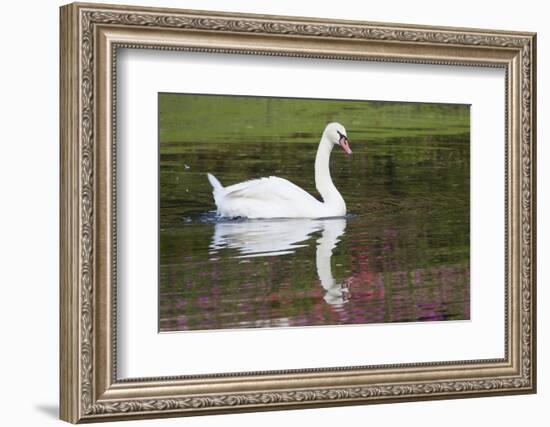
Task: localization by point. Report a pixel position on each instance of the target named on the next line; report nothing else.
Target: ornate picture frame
(90, 37)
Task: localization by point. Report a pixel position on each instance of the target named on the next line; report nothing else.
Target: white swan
(276, 197)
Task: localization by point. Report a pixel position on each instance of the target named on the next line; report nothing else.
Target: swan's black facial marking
(341, 135)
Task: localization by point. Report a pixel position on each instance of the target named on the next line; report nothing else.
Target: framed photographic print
(265, 212)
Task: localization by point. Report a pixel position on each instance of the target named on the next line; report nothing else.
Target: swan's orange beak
(344, 143)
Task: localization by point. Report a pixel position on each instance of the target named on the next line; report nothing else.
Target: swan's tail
(216, 185)
(217, 189)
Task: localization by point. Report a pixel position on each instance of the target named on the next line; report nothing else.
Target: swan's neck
(323, 181)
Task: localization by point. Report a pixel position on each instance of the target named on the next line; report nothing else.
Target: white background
(145, 353)
(29, 171)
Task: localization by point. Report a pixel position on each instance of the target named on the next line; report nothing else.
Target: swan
(275, 197)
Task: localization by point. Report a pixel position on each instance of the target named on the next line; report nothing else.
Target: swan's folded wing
(269, 189)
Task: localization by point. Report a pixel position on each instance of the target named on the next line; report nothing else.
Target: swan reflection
(259, 238)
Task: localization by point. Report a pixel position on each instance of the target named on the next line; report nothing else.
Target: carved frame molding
(90, 37)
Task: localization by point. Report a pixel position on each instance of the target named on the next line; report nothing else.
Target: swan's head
(336, 133)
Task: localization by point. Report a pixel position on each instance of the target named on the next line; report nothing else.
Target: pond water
(400, 255)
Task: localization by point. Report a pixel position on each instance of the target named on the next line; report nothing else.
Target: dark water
(401, 254)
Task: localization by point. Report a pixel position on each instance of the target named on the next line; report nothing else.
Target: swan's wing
(271, 197)
(269, 189)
